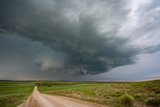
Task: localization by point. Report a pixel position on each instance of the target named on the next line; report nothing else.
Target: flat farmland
(111, 94)
(114, 94)
(13, 93)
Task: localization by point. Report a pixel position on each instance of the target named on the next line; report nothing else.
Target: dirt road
(38, 99)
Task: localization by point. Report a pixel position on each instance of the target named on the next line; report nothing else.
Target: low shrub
(126, 100)
(153, 101)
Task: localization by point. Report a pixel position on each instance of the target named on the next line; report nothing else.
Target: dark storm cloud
(74, 29)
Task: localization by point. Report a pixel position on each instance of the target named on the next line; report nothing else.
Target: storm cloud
(85, 36)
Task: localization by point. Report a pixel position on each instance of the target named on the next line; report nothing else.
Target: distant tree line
(50, 84)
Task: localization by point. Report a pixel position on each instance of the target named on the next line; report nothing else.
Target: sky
(80, 40)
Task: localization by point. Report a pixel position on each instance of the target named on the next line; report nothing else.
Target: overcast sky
(97, 40)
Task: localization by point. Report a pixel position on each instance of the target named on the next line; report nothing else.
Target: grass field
(112, 93)
(13, 93)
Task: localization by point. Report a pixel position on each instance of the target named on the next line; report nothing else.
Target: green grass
(13, 93)
(106, 93)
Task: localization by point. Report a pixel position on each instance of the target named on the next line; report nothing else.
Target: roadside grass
(108, 93)
(13, 93)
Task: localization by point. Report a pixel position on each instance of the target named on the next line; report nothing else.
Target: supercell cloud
(83, 36)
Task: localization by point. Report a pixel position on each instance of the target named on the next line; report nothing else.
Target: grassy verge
(13, 93)
(143, 93)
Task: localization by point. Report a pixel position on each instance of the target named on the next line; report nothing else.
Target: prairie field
(112, 94)
(13, 93)
(142, 94)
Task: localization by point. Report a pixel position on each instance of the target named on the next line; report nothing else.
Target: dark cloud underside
(85, 33)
